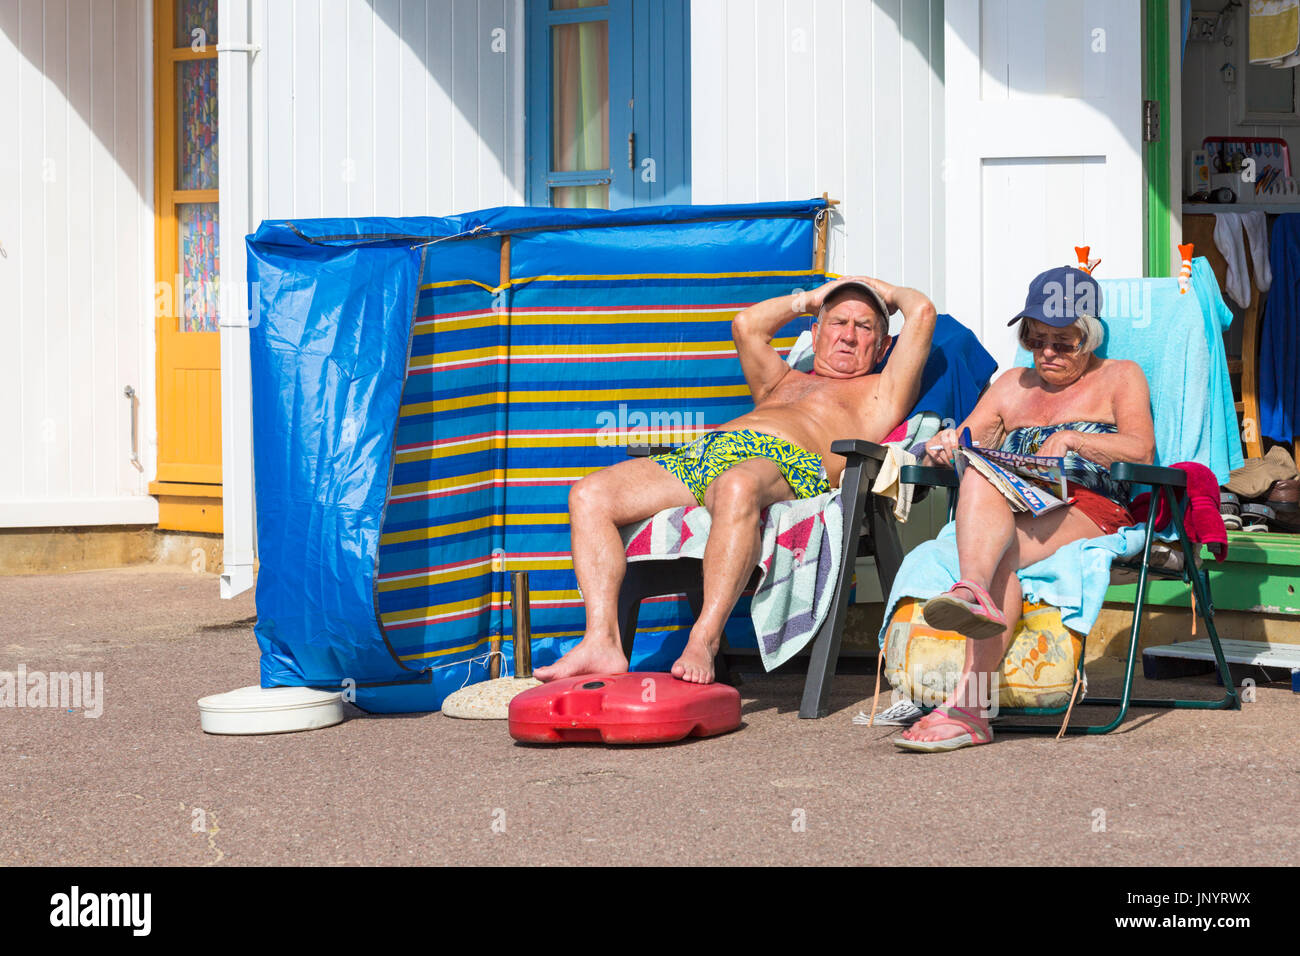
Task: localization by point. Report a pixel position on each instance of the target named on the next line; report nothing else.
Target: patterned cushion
(1037, 671)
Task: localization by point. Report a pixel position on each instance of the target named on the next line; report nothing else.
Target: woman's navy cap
(1059, 297)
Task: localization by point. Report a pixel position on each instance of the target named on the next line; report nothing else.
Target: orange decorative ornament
(1185, 273)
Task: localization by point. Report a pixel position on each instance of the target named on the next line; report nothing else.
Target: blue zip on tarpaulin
(334, 303)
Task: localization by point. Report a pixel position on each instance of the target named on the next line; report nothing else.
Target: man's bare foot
(696, 663)
(589, 657)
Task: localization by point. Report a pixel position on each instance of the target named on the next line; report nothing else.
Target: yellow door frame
(187, 364)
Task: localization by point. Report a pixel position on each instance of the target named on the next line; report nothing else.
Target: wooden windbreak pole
(823, 226)
(494, 643)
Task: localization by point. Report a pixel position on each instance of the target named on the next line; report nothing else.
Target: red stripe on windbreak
(523, 433)
(502, 605)
(588, 308)
(663, 307)
(454, 315)
(441, 620)
(550, 360)
(514, 555)
(447, 441)
(484, 486)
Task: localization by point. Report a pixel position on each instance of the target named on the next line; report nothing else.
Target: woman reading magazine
(1072, 404)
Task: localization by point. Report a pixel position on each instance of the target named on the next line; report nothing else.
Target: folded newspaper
(1024, 480)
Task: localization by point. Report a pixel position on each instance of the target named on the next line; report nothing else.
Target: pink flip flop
(975, 733)
(947, 612)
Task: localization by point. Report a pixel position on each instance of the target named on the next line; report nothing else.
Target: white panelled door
(1043, 105)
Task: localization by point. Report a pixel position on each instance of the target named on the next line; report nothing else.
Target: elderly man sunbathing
(1072, 404)
(779, 451)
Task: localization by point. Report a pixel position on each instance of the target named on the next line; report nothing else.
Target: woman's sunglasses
(1060, 348)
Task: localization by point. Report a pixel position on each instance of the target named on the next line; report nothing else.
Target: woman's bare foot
(696, 663)
(936, 726)
(591, 656)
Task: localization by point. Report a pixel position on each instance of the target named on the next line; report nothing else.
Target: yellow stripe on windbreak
(450, 451)
(427, 655)
(451, 404)
(437, 531)
(446, 484)
(663, 275)
(596, 439)
(483, 641)
(624, 278)
(465, 481)
(430, 578)
(561, 317)
(611, 318)
(438, 323)
(580, 350)
(464, 355)
(525, 397)
(474, 524)
(480, 603)
(569, 396)
(477, 569)
(448, 283)
(472, 604)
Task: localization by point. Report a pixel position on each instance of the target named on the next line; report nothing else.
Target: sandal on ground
(902, 714)
(947, 612)
(975, 733)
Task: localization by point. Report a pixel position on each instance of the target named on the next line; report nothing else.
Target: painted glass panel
(192, 16)
(199, 266)
(196, 124)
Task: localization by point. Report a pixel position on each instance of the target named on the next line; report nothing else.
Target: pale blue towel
(1178, 342)
(1074, 579)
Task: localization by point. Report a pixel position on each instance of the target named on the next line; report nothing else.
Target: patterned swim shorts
(698, 463)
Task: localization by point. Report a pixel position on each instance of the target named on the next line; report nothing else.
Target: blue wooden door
(608, 102)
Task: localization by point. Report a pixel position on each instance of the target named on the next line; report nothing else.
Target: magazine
(1027, 481)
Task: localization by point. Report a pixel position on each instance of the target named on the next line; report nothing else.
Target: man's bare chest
(812, 391)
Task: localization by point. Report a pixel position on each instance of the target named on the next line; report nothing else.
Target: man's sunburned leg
(599, 505)
(734, 499)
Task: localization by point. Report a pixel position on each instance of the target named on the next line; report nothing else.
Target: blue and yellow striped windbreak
(599, 337)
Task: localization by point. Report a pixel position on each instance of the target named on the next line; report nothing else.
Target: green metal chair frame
(1165, 482)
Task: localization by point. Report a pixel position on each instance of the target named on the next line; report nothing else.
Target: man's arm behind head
(900, 380)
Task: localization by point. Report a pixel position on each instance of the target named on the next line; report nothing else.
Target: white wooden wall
(387, 107)
(76, 274)
(791, 98)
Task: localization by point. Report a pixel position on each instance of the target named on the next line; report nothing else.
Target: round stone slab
(488, 700)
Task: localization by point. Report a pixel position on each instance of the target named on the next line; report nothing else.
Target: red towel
(1201, 517)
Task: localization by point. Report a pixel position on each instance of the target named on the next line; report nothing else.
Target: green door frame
(1156, 156)
(1261, 570)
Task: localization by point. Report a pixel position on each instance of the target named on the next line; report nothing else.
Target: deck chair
(1198, 319)
(868, 519)
(655, 578)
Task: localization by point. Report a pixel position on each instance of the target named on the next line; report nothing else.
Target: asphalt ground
(133, 785)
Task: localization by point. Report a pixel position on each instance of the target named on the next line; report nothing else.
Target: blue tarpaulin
(419, 415)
